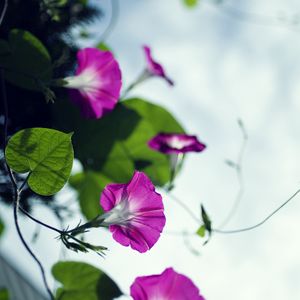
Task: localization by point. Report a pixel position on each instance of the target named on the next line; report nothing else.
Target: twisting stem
(290, 22)
(63, 233)
(24, 182)
(142, 77)
(40, 222)
(185, 207)
(16, 205)
(235, 230)
(17, 191)
(261, 222)
(238, 166)
(3, 11)
(112, 21)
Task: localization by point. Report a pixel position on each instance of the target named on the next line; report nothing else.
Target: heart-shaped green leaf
(46, 153)
(83, 281)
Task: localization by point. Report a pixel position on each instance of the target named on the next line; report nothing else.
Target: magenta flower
(167, 286)
(154, 68)
(175, 143)
(134, 212)
(96, 86)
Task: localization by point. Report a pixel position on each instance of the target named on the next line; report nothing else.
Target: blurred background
(230, 60)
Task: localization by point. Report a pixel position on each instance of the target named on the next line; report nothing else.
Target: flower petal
(97, 84)
(111, 195)
(134, 212)
(142, 195)
(169, 285)
(176, 143)
(155, 68)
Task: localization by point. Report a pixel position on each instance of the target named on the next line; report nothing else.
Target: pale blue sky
(224, 69)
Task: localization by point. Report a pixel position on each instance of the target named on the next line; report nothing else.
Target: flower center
(119, 215)
(87, 81)
(177, 143)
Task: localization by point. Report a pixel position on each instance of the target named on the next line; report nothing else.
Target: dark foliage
(50, 21)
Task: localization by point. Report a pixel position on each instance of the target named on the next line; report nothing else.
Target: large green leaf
(4, 294)
(83, 281)
(46, 153)
(116, 145)
(28, 63)
(89, 186)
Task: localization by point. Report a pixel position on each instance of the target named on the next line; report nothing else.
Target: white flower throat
(88, 80)
(119, 215)
(177, 143)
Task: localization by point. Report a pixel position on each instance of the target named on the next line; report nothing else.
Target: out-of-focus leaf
(103, 47)
(1, 226)
(230, 163)
(116, 145)
(89, 186)
(83, 281)
(46, 153)
(191, 3)
(201, 231)
(61, 3)
(29, 63)
(206, 220)
(84, 34)
(4, 294)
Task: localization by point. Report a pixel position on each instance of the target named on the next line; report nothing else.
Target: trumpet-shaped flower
(96, 86)
(154, 68)
(169, 285)
(134, 212)
(175, 143)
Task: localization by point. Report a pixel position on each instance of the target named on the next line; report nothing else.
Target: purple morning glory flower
(96, 86)
(175, 143)
(154, 68)
(169, 285)
(134, 212)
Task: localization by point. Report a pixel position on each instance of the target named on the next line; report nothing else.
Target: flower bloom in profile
(154, 68)
(95, 88)
(169, 285)
(134, 212)
(175, 143)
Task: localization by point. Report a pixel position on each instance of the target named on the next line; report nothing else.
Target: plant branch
(112, 21)
(16, 191)
(176, 233)
(40, 222)
(291, 22)
(261, 222)
(16, 205)
(3, 11)
(141, 78)
(186, 208)
(238, 166)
